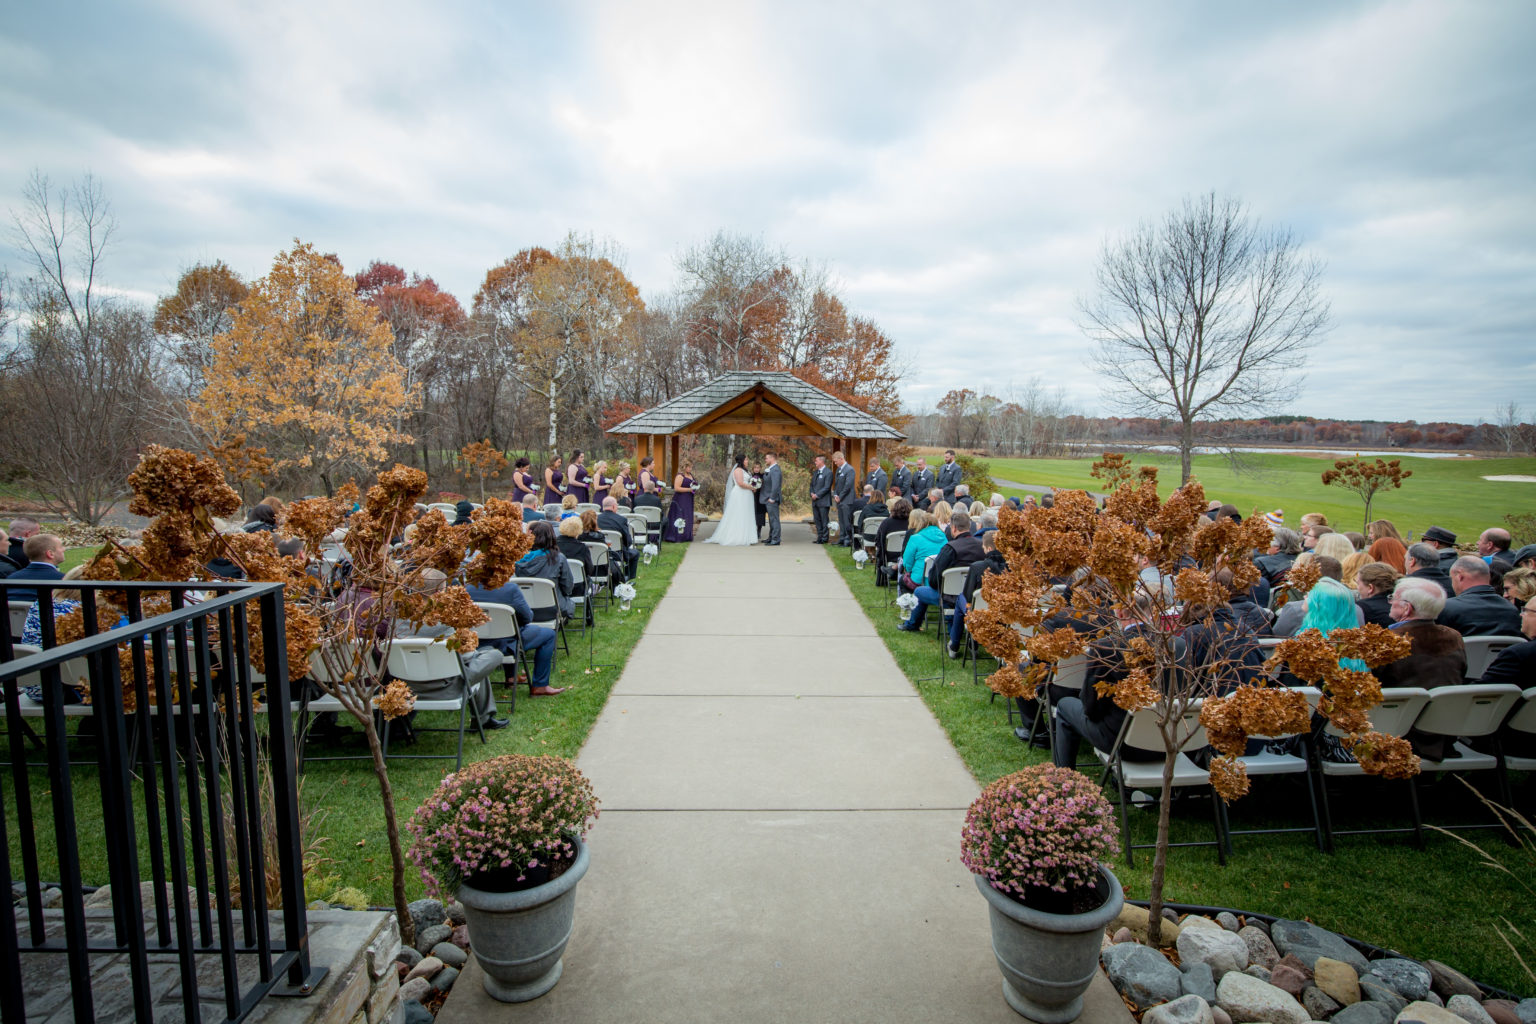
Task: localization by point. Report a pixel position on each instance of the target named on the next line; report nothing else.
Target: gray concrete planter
(1048, 960)
(518, 937)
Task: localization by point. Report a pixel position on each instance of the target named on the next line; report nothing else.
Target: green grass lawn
(1445, 492)
(1431, 903)
(341, 798)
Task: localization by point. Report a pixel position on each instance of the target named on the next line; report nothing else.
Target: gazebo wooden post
(640, 440)
(861, 471)
(677, 451)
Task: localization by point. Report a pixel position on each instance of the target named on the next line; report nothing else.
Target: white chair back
(446, 508)
(639, 527)
(1481, 650)
(540, 594)
(1398, 710)
(345, 656)
(1144, 734)
(650, 513)
(502, 624)
(599, 553)
(615, 540)
(1070, 672)
(587, 506)
(74, 672)
(418, 659)
(872, 527)
(927, 569)
(1524, 718)
(1473, 710)
(952, 583)
(895, 541)
(19, 611)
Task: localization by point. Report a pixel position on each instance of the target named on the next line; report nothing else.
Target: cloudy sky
(958, 166)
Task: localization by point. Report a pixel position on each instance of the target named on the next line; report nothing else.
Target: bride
(738, 525)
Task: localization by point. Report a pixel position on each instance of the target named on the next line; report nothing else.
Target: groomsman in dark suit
(922, 483)
(877, 478)
(821, 498)
(949, 476)
(771, 494)
(842, 497)
(901, 477)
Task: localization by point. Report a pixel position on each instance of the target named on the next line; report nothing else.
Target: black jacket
(1247, 612)
(1515, 664)
(1436, 575)
(1274, 566)
(960, 553)
(16, 554)
(575, 551)
(892, 524)
(1481, 611)
(992, 561)
(613, 521)
(1377, 609)
(1226, 648)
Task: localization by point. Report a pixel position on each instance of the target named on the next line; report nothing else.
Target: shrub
(513, 812)
(1042, 827)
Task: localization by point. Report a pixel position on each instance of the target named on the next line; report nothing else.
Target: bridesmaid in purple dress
(681, 510)
(554, 481)
(601, 481)
(623, 489)
(522, 480)
(580, 484)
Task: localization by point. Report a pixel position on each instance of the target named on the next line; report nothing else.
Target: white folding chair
(580, 598)
(75, 670)
(545, 604)
(19, 610)
(602, 576)
(867, 532)
(1467, 712)
(951, 585)
(329, 666)
(447, 508)
(1523, 721)
(1394, 716)
(1141, 730)
(1481, 650)
(890, 569)
(652, 516)
(503, 626)
(1270, 763)
(423, 660)
(587, 506)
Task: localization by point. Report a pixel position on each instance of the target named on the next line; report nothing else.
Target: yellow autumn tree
(307, 370)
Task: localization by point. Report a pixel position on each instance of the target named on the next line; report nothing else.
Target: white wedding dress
(738, 524)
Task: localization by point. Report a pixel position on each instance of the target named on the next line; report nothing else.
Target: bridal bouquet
(755, 481)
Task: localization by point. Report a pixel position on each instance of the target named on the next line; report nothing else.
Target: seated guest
(1373, 589)
(1477, 609)
(532, 513)
(1422, 562)
(22, 528)
(6, 565)
(874, 508)
(568, 506)
(1334, 545)
(569, 544)
(932, 499)
(895, 522)
(648, 495)
(546, 562)
(996, 500)
(1437, 656)
(1290, 618)
(44, 553)
(1312, 533)
(991, 561)
(536, 639)
(1284, 546)
(476, 665)
(1444, 543)
(857, 506)
(628, 556)
(1376, 529)
(462, 512)
(263, 519)
(1352, 566)
(960, 551)
(1517, 664)
(1221, 647)
(1520, 585)
(1493, 546)
(591, 533)
(1389, 550)
(1356, 538)
(1524, 557)
(924, 538)
(1246, 609)
(1150, 578)
(941, 511)
(1092, 717)
(987, 523)
(64, 602)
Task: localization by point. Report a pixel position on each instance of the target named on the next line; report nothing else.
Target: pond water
(1395, 453)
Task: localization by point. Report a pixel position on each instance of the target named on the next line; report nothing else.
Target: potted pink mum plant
(505, 836)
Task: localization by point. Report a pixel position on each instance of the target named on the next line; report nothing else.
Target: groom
(769, 495)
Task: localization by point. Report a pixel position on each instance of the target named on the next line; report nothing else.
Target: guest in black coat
(1284, 546)
(22, 528)
(1090, 716)
(44, 553)
(610, 519)
(1374, 585)
(1517, 664)
(895, 522)
(263, 519)
(1477, 609)
(1422, 562)
(546, 562)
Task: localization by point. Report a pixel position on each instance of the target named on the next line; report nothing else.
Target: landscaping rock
(1123, 935)
(1261, 950)
(1142, 975)
(1292, 960)
(415, 1013)
(1183, 1010)
(1220, 1016)
(1338, 979)
(416, 990)
(1501, 1010)
(1308, 942)
(1222, 949)
(1318, 1003)
(1136, 919)
(408, 956)
(1363, 1013)
(1525, 1009)
(461, 936)
(1418, 1012)
(1409, 979)
(1170, 915)
(444, 979)
(1198, 980)
(1434, 997)
(455, 911)
(1378, 991)
(429, 966)
(1289, 979)
(1450, 982)
(1229, 921)
(1467, 1008)
(52, 898)
(1249, 999)
(1199, 921)
(449, 954)
(426, 913)
(1255, 971)
(1257, 922)
(102, 897)
(429, 937)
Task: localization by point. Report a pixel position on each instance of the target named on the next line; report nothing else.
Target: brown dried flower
(397, 700)
(1229, 778)
(1391, 757)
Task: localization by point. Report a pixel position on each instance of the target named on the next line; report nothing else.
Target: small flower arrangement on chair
(860, 557)
(625, 592)
(648, 552)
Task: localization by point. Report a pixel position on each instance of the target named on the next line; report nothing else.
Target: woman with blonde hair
(600, 481)
(1379, 528)
(941, 512)
(1352, 566)
(1334, 545)
(977, 508)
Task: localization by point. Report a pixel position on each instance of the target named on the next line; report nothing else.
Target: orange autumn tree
(481, 459)
(1209, 562)
(306, 369)
(1366, 478)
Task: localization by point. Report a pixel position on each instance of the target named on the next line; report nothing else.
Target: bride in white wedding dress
(738, 524)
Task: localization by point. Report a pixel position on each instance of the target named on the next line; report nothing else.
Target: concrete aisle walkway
(781, 822)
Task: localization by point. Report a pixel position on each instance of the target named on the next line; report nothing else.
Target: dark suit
(1377, 609)
(771, 494)
(1435, 574)
(922, 483)
(650, 498)
(630, 556)
(903, 481)
(1478, 611)
(33, 571)
(879, 481)
(949, 479)
(842, 490)
(1515, 664)
(16, 553)
(821, 501)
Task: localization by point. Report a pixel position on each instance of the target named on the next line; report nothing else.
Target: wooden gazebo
(761, 404)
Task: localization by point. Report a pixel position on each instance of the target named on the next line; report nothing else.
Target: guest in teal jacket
(921, 542)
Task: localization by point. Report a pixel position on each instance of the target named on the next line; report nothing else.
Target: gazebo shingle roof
(841, 419)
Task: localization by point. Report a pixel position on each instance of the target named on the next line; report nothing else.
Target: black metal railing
(180, 776)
